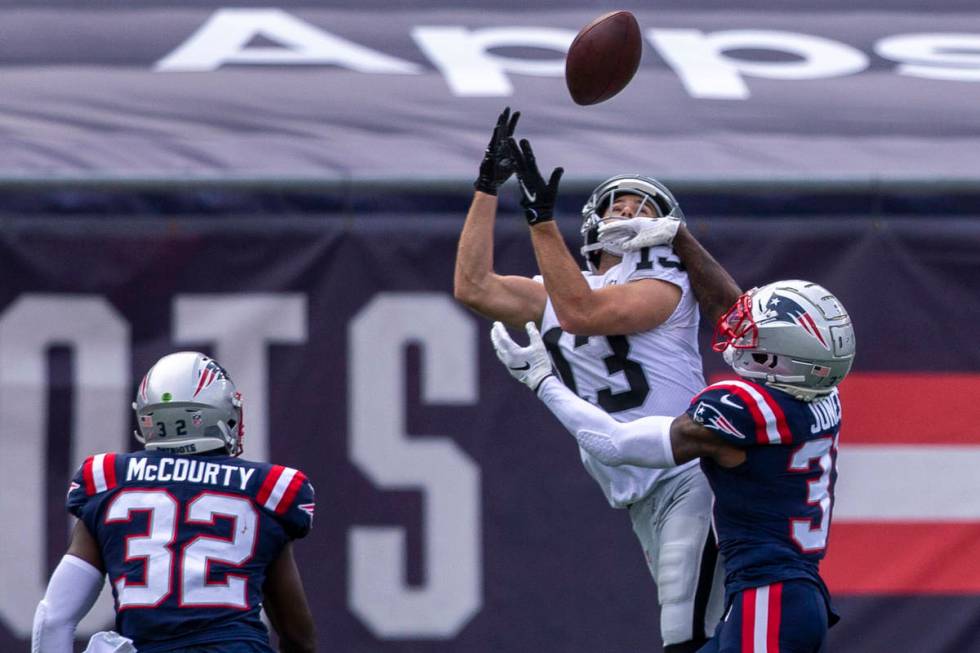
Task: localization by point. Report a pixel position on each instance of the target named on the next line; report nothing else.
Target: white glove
(530, 365)
(109, 641)
(636, 233)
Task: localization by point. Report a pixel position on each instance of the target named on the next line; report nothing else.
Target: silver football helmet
(793, 335)
(187, 403)
(649, 189)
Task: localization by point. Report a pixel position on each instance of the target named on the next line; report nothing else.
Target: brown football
(603, 57)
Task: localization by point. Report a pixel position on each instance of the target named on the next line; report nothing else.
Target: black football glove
(537, 197)
(498, 163)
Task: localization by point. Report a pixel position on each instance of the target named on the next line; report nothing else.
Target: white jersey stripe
(760, 642)
(772, 428)
(98, 473)
(280, 488)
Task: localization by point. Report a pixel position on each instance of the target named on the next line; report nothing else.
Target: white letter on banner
(954, 57)
(241, 326)
(437, 467)
(224, 39)
(463, 56)
(699, 59)
(99, 339)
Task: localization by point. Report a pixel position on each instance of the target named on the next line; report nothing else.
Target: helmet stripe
(813, 328)
(200, 383)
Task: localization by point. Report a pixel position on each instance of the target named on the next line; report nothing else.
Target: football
(603, 58)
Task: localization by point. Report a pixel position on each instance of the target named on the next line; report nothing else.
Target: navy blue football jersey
(772, 512)
(186, 540)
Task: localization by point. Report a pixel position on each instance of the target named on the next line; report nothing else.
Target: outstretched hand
(498, 163)
(636, 233)
(530, 365)
(537, 196)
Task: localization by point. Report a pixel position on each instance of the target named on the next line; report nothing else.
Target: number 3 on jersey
(618, 361)
(808, 538)
(154, 550)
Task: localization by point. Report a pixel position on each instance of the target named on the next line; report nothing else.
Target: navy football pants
(787, 617)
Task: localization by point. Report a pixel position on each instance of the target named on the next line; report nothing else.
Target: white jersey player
(635, 375)
(623, 336)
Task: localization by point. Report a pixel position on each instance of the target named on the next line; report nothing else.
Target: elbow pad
(72, 590)
(644, 442)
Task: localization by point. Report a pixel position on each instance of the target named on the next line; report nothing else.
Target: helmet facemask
(652, 194)
(793, 335)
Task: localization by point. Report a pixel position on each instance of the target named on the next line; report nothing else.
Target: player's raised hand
(530, 365)
(498, 163)
(537, 196)
(636, 233)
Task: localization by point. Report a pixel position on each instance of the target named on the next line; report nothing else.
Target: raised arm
(512, 299)
(580, 309)
(715, 289)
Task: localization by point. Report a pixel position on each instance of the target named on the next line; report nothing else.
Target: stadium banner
(454, 513)
(755, 90)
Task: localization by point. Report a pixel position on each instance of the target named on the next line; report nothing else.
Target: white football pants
(673, 524)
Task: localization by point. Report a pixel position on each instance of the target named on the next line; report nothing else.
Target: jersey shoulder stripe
(279, 488)
(770, 420)
(99, 473)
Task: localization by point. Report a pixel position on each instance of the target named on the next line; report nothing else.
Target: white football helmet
(187, 403)
(593, 213)
(793, 335)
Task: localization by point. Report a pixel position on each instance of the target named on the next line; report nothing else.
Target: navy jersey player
(767, 443)
(195, 540)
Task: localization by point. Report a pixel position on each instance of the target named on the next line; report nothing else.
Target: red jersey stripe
(269, 483)
(109, 470)
(775, 615)
(290, 494)
(761, 435)
(88, 476)
(781, 425)
(748, 621)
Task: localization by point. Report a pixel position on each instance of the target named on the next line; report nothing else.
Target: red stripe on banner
(775, 615)
(748, 621)
(761, 436)
(884, 408)
(906, 408)
(268, 484)
(781, 425)
(87, 475)
(109, 470)
(903, 558)
(290, 494)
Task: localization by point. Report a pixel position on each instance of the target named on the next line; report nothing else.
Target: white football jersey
(655, 372)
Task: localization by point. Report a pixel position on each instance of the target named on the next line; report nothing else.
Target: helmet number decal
(617, 362)
(180, 428)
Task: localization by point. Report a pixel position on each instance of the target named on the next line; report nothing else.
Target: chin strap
(803, 394)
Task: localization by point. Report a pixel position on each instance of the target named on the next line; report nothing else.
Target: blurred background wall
(283, 188)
